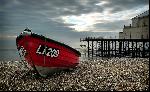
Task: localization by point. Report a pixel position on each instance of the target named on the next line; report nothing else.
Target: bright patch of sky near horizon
(85, 22)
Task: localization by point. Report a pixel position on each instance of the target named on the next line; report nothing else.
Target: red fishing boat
(45, 55)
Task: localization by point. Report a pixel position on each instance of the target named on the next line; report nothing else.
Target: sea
(13, 55)
(9, 55)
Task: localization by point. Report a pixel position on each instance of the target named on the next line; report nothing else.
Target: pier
(133, 48)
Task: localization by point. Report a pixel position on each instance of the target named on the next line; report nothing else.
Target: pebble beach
(113, 74)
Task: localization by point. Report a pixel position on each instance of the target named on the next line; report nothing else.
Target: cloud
(104, 21)
(77, 14)
(68, 20)
(70, 7)
(121, 5)
(57, 8)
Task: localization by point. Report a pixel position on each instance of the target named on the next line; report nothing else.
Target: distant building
(139, 28)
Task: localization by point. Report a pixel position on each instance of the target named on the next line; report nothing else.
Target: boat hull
(45, 55)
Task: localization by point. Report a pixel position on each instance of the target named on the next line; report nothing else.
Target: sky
(66, 20)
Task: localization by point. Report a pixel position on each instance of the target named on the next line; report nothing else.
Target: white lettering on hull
(48, 51)
(22, 51)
